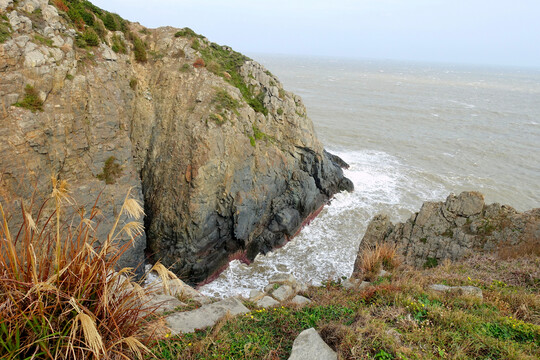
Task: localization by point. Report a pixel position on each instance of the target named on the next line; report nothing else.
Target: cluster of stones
(281, 289)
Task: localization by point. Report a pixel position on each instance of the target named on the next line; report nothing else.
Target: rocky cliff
(453, 229)
(224, 159)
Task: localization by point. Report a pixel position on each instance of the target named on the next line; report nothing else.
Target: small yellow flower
(469, 278)
(189, 344)
(167, 335)
(252, 316)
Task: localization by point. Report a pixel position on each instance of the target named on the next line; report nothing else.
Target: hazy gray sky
(465, 31)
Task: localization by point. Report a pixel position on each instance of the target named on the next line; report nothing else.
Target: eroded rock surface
(452, 229)
(222, 175)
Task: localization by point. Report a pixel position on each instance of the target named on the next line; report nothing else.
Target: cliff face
(455, 228)
(225, 160)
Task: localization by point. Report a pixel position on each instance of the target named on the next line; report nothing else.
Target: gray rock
(384, 273)
(461, 225)
(353, 283)
(467, 290)
(309, 346)
(284, 292)
(300, 300)
(282, 279)
(205, 316)
(164, 303)
(107, 53)
(255, 295)
(35, 58)
(267, 302)
(4, 4)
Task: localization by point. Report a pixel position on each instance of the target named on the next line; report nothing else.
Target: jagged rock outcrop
(452, 229)
(225, 160)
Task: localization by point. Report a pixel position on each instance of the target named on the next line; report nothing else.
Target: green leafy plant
(133, 83)
(90, 37)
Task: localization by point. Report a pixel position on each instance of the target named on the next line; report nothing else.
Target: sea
(411, 132)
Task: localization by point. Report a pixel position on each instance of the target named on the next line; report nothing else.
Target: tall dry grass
(375, 258)
(60, 296)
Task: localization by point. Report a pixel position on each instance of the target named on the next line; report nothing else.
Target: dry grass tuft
(60, 297)
(383, 255)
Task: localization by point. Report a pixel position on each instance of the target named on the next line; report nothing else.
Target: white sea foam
(327, 247)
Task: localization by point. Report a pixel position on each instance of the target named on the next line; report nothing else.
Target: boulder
(164, 303)
(300, 300)
(467, 290)
(205, 316)
(267, 302)
(283, 293)
(309, 346)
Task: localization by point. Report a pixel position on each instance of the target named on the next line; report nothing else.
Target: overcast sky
(499, 32)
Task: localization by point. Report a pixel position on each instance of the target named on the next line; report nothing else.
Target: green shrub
(280, 111)
(139, 50)
(31, 100)
(90, 37)
(224, 101)
(430, 263)
(99, 28)
(118, 45)
(110, 22)
(5, 32)
(80, 42)
(187, 32)
(230, 62)
(195, 45)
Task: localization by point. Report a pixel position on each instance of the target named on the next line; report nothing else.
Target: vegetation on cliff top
(226, 63)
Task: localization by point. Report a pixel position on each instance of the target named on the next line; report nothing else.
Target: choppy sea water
(411, 133)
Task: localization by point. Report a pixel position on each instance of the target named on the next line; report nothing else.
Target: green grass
(227, 63)
(31, 100)
(394, 319)
(118, 45)
(43, 40)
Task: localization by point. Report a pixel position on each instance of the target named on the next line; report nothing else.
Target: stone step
(205, 316)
